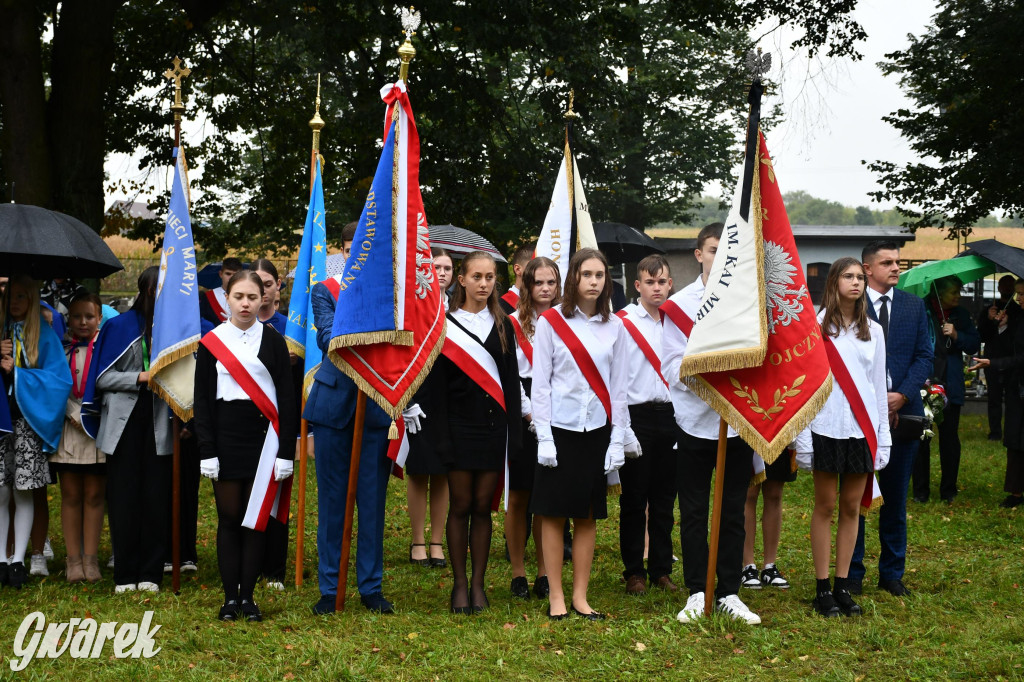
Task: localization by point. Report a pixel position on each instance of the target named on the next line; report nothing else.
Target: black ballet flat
(417, 562)
(479, 608)
(229, 611)
(541, 588)
(593, 615)
(435, 562)
(560, 616)
(250, 611)
(460, 610)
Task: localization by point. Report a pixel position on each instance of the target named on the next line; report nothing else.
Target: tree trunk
(23, 144)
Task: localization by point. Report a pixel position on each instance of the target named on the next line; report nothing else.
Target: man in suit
(909, 362)
(330, 411)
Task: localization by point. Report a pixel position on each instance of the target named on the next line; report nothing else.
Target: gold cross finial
(176, 74)
(570, 114)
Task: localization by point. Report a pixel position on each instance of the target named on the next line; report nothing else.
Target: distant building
(121, 215)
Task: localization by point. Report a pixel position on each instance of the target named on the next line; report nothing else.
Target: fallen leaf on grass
(774, 660)
(729, 636)
(289, 676)
(966, 581)
(526, 617)
(413, 635)
(375, 650)
(306, 662)
(558, 652)
(738, 651)
(640, 646)
(289, 647)
(191, 665)
(946, 519)
(508, 626)
(401, 657)
(804, 657)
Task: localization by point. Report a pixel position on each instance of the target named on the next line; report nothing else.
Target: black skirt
(241, 430)
(522, 469)
(841, 455)
(577, 488)
(478, 447)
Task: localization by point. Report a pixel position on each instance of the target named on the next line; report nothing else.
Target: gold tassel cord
(393, 431)
(758, 479)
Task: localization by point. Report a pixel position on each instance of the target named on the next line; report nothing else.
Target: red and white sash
(524, 343)
(672, 311)
(333, 285)
(512, 298)
(582, 356)
(269, 497)
(842, 375)
(218, 302)
(471, 357)
(643, 344)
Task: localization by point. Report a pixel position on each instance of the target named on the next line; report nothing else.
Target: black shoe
(520, 587)
(417, 562)
(825, 604)
(854, 585)
(1010, 502)
(479, 607)
(847, 606)
(920, 499)
(894, 587)
(460, 610)
(541, 587)
(437, 562)
(995, 436)
(325, 606)
(229, 611)
(16, 574)
(376, 602)
(593, 615)
(949, 500)
(561, 616)
(250, 611)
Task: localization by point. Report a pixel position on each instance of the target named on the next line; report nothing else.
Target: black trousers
(139, 499)
(994, 381)
(275, 557)
(948, 435)
(190, 479)
(649, 493)
(694, 466)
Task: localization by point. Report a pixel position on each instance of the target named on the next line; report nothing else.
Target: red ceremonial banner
(770, 404)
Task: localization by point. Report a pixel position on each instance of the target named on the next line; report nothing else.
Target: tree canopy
(963, 75)
(658, 85)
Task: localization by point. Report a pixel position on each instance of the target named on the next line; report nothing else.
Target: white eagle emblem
(424, 261)
(782, 301)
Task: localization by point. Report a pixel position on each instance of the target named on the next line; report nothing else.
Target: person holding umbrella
(38, 382)
(953, 333)
(996, 329)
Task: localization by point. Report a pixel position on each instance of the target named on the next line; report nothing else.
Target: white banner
(555, 241)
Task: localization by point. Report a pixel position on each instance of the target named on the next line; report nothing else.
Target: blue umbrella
(209, 276)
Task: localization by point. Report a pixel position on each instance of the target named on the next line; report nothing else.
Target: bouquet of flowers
(935, 401)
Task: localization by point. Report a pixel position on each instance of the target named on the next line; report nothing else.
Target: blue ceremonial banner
(300, 332)
(176, 311)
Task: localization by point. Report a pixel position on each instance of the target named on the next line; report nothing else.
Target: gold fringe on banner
(758, 479)
(295, 347)
(307, 381)
(875, 504)
(184, 412)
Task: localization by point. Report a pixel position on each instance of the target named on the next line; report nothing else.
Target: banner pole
(301, 525)
(350, 500)
(176, 509)
(716, 516)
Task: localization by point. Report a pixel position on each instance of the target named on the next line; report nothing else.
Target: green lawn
(963, 621)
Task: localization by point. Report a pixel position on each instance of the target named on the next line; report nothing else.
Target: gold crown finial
(410, 22)
(177, 74)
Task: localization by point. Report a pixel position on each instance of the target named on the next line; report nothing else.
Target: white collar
(873, 295)
(592, 318)
(246, 336)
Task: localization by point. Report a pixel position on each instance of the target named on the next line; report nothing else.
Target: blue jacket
(968, 340)
(332, 398)
(908, 349)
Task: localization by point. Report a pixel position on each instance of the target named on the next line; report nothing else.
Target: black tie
(883, 318)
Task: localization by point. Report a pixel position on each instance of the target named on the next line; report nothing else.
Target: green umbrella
(919, 280)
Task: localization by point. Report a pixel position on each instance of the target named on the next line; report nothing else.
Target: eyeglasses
(849, 277)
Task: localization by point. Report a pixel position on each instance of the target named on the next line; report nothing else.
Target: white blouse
(251, 339)
(645, 386)
(480, 325)
(525, 368)
(562, 396)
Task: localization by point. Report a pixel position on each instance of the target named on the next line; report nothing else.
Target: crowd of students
(547, 397)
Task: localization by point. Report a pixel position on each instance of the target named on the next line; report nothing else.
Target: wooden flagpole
(716, 516)
(176, 74)
(350, 500)
(317, 124)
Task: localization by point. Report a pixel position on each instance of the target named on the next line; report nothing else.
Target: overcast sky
(835, 120)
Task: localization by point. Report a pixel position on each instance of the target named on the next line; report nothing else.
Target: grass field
(963, 621)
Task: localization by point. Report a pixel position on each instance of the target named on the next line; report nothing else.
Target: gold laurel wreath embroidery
(771, 169)
(780, 397)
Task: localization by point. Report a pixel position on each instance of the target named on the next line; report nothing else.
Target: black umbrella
(1007, 257)
(45, 244)
(624, 244)
(459, 241)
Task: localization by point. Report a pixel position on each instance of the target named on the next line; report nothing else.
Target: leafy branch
(779, 398)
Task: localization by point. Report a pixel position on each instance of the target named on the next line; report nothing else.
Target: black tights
(470, 494)
(239, 550)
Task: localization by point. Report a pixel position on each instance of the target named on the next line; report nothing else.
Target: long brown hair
(570, 291)
(32, 325)
(526, 306)
(832, 323)
(459, 295)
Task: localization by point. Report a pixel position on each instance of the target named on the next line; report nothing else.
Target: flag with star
(300, 332)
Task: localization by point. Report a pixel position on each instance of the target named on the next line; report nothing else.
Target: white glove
(804, 460)
(531, 427)
(412, 415)
(547, 456)
(631, 445)
(283, 469)
(614, 458)
(881, 457)
(210, 468)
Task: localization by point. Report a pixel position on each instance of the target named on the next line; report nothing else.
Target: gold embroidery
(781, 394)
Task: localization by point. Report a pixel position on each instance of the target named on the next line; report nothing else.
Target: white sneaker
(737, 610)
(47, 550)
(275, 585)
(693, 610)
(128, 587)
(110, 563)
(189, 567)
(153, 587)
(168, 567)
(38, 566)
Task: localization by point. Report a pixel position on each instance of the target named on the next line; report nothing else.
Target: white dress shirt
(250, 339)
(480, 325)
(525, 368)
(562, 396)
(865, 361)
(645, 386)
(876, 300)
(693, 415)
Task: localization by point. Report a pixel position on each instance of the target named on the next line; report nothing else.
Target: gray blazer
(120, 391)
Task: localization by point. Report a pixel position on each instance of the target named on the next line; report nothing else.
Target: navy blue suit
(330, 409)
(908, 359)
